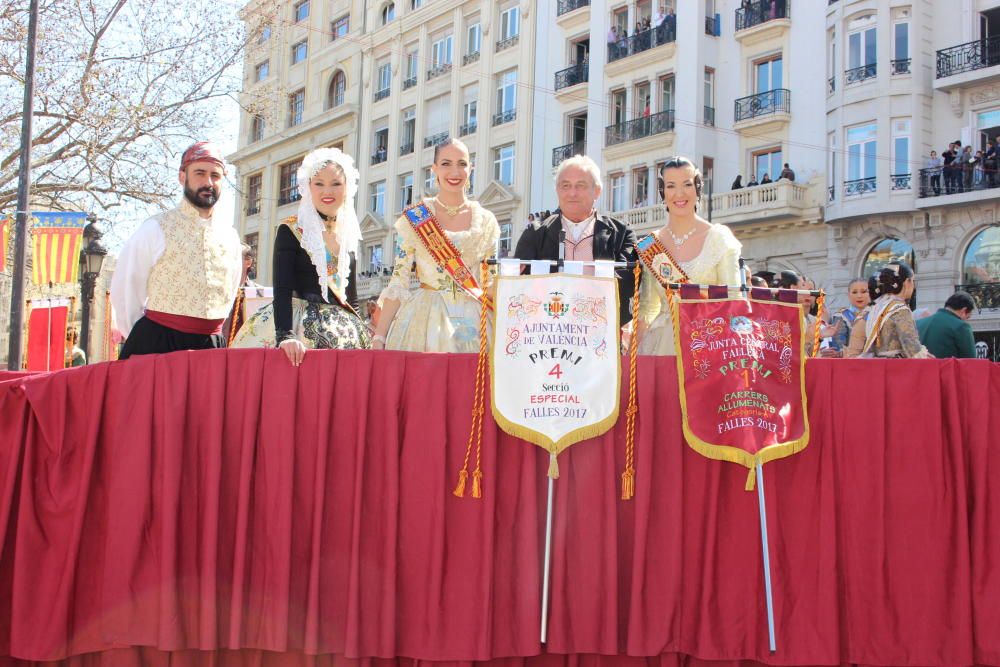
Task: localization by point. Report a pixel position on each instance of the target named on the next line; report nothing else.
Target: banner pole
(767, 558)
(548, 560)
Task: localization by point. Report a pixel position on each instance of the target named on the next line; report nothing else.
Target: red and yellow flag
(56, 240)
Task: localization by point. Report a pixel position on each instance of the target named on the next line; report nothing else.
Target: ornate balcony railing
(968, 57)
(566, 6)
(467, 129)
(470, 58)
(288, 198)
(382, 94)
(504, 117)
(406, 149)
(831, 193)
(380, 156)
(560, 153)
(639, 128)
(710, 26)
(507, 43)
(435, 139)
(859, 186)
(409, 83)
(859, 74)
(253, 210)
(900, 66)
(709, 116)
(774, 101)
(759, 12)
(987, 295)
(571, 76)
(438, 70)
(642, 41)
(900, 181)
(831, 86)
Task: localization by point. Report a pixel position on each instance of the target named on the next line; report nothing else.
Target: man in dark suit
(588, 235)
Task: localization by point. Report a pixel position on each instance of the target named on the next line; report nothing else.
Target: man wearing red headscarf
(177, 276)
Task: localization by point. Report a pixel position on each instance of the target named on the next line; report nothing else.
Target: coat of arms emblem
(555, 307)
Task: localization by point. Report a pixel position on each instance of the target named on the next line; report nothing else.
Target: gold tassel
(751, 479)
(477, 484)
(553, 467)
(628, 484)
(460, 487)
(628, 475)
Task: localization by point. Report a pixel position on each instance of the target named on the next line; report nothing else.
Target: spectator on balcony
(947, 333)
(932, 169)
(968, 164)
(886, 328)
(951, 182)
(787, 173)
(737, 183)
(613, 37)
(765, 179)
(990, 163)
(753, 181)
(978, 170)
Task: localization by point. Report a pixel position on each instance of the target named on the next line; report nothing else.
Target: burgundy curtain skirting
(222, 507)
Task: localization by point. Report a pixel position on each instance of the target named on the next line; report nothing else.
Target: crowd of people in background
(787, 174)
(661, 26)
(961, 169)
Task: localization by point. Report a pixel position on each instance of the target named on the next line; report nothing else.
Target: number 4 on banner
(556, 371)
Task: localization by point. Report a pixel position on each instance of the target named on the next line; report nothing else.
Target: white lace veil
(311, 224)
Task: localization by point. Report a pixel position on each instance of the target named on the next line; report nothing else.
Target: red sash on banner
(47, 338)
(741, 370)
(655, 257)
(445, 254)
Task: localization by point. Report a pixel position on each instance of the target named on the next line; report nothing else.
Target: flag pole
(548, 559)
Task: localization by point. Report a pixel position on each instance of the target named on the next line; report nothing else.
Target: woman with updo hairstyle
(886, 328)
(843, 320)
(706, 253)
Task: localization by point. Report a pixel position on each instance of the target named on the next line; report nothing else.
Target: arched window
(388, 12)
(887, 251)
(335, 95)
(981, 268)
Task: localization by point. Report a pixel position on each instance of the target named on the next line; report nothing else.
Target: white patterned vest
(197, 275)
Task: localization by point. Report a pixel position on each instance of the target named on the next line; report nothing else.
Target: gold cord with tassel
(628, 475)
(478, 404)
(817, 339)
(240, 295)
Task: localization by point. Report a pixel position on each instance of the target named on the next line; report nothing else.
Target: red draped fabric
(221, 507)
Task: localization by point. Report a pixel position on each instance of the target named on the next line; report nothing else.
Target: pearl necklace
(451, 210)
(679, 241)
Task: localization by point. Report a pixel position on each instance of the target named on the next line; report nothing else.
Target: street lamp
(91, 260)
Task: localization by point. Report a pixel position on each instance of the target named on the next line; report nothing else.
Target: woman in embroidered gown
(437, 315)
(886, 328)
(315, 273)
(707, 253)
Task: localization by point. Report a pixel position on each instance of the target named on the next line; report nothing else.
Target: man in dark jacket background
(947, 332)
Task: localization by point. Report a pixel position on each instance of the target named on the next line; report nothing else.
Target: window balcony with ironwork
(380, 155)
(566, 6)
(406, 148)
(504, 117)
(763, 104)
(288, 198)
(760, 12)
(900, 66)
(987, 295)
(507, 43)
(253, 210)
(900, 181)
(968, 57)
(859, 186)
(647, 126)
(859, 74)
(470, 58)
(709, 116)
(665, 33)
(382, 94)
(409, 83)
(435, 139)
(438, 70)
(578, 73)
(467, 129)
(831, 86)
(560, 153)
(710, 26)
(831, 193)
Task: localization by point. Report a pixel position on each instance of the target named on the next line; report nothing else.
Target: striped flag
(57, 237)
(4, 242)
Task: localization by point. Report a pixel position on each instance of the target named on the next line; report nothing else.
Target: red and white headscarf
(202, 151)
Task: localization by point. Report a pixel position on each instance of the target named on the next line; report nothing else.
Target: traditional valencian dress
(437, 315)
(886, 329)
(718, 263)
(175, 282)
(299, 309)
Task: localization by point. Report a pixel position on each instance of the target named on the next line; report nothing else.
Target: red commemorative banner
(742, 377)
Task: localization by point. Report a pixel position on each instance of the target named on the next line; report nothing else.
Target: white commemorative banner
(555, 359)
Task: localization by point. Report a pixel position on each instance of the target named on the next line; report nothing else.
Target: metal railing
(968, 57)
(380, 156)
(406, 149)
(831, 193)
(859, 74)
(710, 26)
(382, 94)
(438, 70)
(831, 86)
(900, 66)
(938, 181)
(504, 117)
(987, 295)
(435, 139)
(900, 181)
(642, 41)
(560, 153)
(288, 198)
(409, 83)
(639, 128)
(467, 129)
(566, 6)
(709, 116)
(859, 186)
(571, 76)
(470, 58)
(761, 11)
(507, 43)
(774, 101)
(253, 210)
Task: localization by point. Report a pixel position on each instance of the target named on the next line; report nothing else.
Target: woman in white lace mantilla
(437, 315)
(707, 253)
